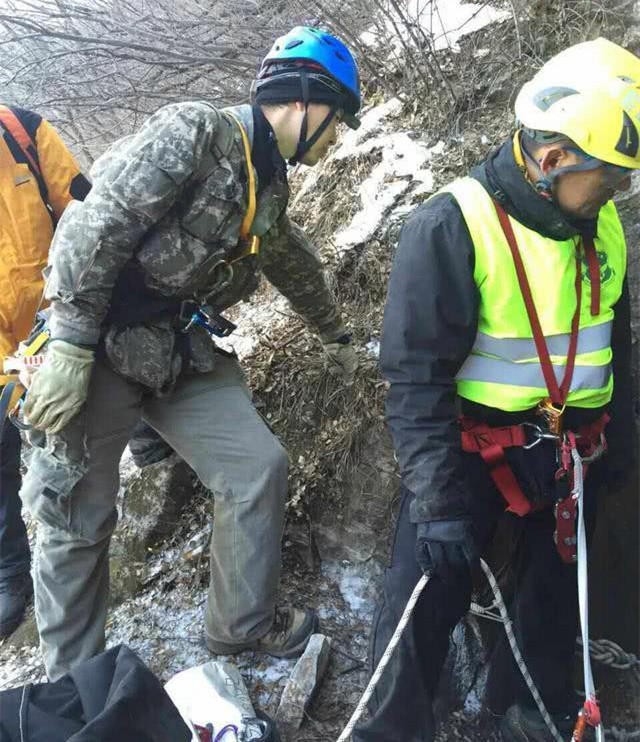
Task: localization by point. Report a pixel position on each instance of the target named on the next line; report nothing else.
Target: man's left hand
(342, 357)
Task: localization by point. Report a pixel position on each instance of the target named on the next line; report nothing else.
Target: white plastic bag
(214, 702)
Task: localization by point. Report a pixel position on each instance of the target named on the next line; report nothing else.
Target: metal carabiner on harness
(215, 324)
(539, 435)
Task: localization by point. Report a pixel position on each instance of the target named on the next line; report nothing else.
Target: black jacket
(430, 325)
(112, 697)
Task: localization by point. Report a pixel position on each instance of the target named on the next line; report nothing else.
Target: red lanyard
(557, 394)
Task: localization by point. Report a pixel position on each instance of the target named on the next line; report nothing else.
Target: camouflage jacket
(168, 202)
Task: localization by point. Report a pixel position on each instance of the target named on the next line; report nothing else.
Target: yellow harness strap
(245, 228)
(517, 151)
(11, 377)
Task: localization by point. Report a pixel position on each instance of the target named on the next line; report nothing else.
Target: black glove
(445, 548)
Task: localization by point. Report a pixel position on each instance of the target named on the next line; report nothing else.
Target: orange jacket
(26, 224)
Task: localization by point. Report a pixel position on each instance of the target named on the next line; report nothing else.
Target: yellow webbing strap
(245, 227)
(517, 151)
(38, 342)
(10, 382)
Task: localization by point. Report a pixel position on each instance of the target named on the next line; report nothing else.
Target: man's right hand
(445, 548)
(59, 389)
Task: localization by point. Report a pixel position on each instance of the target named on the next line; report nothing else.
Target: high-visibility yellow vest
(503, 369)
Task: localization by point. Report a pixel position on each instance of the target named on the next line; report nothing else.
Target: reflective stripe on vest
(503, 369)
(483, 368)
(597, 337)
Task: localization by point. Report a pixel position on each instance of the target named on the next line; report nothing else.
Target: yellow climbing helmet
(590, 94)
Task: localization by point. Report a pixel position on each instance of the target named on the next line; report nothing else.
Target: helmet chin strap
(304, 144)
(544, 184)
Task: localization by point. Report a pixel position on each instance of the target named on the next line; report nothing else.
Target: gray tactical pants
(71, 489)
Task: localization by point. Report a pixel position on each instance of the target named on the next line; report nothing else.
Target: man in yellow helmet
(508, 302)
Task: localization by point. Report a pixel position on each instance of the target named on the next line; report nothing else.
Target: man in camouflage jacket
(159, 234)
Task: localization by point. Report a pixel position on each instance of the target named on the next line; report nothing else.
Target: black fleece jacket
(430, 325)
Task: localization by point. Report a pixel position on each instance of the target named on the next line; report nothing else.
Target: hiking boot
(288, 636)
(15, 593)
(524, 724)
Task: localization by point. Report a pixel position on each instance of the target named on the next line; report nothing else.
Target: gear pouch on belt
(146, 354)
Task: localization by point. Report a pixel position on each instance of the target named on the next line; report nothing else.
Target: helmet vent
(550, 96)
(628, 143)
(293, 44)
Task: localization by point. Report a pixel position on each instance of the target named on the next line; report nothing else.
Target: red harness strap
(557, 393)
(490, 444)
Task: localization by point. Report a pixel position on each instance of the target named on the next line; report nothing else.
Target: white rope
(404, 620)
(23, 698)
(517, 655)
(605, 651)
(583, 584)
(609, 653)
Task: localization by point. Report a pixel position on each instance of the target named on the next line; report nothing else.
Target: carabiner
(229, 728)
(539, 435)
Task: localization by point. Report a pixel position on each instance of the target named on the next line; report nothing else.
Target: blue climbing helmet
(312, 66)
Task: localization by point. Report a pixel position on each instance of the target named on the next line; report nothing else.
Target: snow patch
(403, 167)
(357, 585)
(254, 318)
(371, 122)
(373, 348)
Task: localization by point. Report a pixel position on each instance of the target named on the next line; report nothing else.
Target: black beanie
(288, 88)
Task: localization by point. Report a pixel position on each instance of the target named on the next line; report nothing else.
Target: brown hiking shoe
(288, 636)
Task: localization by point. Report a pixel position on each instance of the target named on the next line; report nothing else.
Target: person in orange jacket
(38, 178)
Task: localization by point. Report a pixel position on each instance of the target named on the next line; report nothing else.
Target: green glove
(343, 358)
(59, 389)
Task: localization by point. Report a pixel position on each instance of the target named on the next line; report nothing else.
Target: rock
(150, 502)
(303, 683)
(361, 530)
(26, 635)
(463, 679)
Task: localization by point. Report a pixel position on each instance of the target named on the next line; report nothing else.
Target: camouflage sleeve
(135, 183)
(292, 265)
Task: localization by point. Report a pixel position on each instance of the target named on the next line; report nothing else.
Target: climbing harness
(491, 442)
(589, 440)
(252, 242)
(220, 274)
